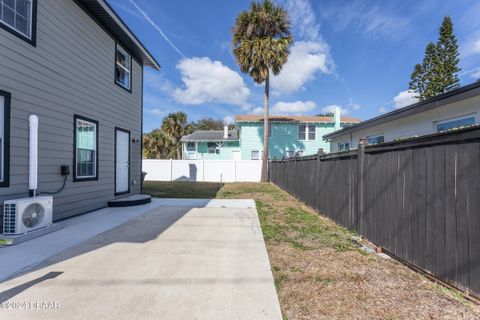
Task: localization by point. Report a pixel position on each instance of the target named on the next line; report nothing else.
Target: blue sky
(354, 54)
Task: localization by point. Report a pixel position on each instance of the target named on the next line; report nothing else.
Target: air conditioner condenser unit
(24, 215)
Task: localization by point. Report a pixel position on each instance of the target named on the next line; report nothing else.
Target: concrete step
(133, 200)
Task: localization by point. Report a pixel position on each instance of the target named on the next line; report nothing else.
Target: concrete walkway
(181, 259)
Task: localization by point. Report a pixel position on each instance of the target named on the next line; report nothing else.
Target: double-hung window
(4, 138)
(18, 17)
(306, 132)
(86, 149)
(123, 68)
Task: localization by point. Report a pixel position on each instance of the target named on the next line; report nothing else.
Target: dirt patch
(321, 272)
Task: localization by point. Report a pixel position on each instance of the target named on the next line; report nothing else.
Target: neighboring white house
(457, 108)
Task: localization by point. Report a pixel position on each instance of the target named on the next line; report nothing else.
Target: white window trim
(29, 21)
(307, 131)
(123, 51)
(95, 161)
(456, 118)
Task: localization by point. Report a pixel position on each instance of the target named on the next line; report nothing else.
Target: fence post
(171, 169)
(203, 169)
(360, 214)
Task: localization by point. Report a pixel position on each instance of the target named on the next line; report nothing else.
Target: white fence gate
(203, 170)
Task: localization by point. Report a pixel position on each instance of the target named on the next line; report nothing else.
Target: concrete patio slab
(170, 262)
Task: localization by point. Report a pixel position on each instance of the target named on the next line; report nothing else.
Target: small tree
(438, 72)
(261, 43)
(175, 126)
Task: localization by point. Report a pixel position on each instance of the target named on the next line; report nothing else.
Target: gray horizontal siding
(70, 71)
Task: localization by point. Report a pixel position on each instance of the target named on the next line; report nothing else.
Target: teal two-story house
(289, 136)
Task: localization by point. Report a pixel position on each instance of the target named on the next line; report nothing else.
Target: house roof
(210, 135)
(104, 14)
(259, 118)
(456, 95)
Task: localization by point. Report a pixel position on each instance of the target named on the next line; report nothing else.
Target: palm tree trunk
(265, 130)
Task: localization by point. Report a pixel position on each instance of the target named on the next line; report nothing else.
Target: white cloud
(305, 61)
(303, 17)
(210, 81)
(156, 111)
(297, 107)
(331, 109)
(475, 74)
(257, 110)
(228, 120)
(367, 18)
(307, 57)
(471, 46)
(383, 110)
(354, 105)
(404, 98)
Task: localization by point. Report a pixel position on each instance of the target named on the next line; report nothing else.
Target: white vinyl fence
(203, 170)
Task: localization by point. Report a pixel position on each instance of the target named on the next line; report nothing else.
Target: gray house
(79, 68)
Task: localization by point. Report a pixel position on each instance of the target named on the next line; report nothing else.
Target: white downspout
(33, 155)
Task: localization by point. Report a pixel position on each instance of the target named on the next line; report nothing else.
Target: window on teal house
(212, 148)
(191, 146)
(270, 130)
(306, 132)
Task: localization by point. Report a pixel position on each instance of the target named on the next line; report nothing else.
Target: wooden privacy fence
(418, 198)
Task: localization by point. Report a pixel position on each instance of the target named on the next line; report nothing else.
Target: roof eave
(109, 20)
(453, 96)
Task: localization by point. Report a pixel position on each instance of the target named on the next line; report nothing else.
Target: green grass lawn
(319, 269)
(182, 189)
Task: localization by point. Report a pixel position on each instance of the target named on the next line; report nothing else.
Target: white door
(122, 161)
(236, 155)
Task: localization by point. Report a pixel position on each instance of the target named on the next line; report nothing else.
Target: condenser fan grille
(33, 215)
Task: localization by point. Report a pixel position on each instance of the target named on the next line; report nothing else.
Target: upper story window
(85, 153)
(4, 138)
(123, 68)
(459, 122)
(18, 17)
(380, 138)
(306, 132)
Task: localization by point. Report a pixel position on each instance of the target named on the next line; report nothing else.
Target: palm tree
(156, 145)
(175, 126)
(261, 43)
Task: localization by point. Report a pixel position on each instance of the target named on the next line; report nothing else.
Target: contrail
(153, 24)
